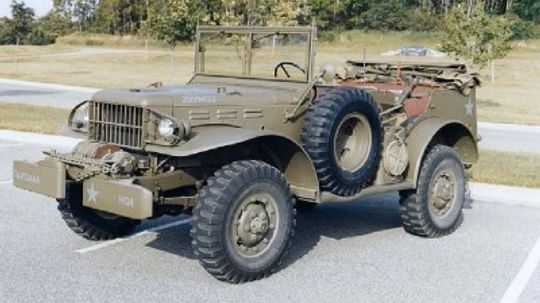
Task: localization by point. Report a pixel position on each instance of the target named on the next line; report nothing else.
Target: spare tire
(343, 135)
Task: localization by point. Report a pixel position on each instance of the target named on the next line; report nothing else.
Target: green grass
(32, 118)
(515, 169)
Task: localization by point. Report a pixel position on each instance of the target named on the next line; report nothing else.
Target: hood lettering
(199, 99)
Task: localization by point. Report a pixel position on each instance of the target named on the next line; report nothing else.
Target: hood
(195, 95)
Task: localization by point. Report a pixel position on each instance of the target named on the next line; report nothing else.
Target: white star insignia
(92, 193)
(469, 107)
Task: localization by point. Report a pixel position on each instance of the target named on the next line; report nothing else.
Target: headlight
(78, 119)
(168, 128)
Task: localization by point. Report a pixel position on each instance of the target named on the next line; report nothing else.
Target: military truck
(256, 134)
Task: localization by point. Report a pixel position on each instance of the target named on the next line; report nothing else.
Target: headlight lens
(167, 128)
(78, 120)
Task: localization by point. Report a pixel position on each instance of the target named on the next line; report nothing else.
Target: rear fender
(434, 131)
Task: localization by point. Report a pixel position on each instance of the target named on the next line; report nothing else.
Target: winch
(89, 159)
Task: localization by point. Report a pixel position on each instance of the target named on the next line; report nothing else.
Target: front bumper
(119, 197)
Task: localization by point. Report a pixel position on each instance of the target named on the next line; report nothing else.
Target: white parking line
(6, 182)
(524, 275)
(120, 240)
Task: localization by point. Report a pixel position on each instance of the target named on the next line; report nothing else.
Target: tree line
(175, 20)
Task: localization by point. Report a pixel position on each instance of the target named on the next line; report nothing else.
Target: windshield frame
(309, 31)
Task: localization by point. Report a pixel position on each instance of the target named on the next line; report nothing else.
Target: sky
(41, 7)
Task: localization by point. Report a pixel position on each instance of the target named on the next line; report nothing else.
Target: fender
(439, 131)
(294, 162)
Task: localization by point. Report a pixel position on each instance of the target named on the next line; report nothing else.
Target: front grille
(117, 124)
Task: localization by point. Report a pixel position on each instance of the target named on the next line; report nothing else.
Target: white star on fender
(92, 193)
(469, 107)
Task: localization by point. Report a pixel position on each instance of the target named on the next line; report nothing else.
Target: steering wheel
(285, 63)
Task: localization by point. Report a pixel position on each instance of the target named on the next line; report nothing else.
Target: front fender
(433, 131)
(207, 138)
(293, 160)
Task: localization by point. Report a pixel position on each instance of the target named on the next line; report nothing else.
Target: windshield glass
(270, 54)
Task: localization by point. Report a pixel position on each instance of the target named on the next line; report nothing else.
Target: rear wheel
(435, 208)
(243, 222)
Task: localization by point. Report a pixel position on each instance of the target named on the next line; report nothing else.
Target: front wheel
(435, 208)
(243, 222)
(93, 224)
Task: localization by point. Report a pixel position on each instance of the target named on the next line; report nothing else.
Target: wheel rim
(352, 142)
(255, 225)
(443, 193)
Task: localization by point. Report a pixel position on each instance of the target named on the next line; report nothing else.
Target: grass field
(515, 169)
(514, 98)
(11, 52)
(32, 118)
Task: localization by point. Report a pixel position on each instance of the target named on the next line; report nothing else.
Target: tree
(528, 10)
(84, 12)
(124, 17)
(55, 23)
(5, 32)
(260, 12)
(385, 15)
(21, 23)
(63, 7)
(174, 20)
(478, 38)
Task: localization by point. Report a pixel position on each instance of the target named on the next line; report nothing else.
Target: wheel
(243, 222)
(343, 135)
(435, 208)
(94, 224)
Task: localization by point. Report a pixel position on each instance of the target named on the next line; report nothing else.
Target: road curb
(534, 129)
(511, 195)
(39, 139)
(68, 88)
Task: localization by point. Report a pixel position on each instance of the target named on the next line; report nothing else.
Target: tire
(344, 166)
(435, 208)
(244, 222)
(93, 224)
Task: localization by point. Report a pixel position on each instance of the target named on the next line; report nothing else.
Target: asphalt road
(511, 138)
(524, 139)
(56, 96)
(354, 252)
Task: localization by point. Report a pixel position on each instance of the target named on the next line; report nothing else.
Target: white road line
(120, 240)
(513, 292)
(6, 182)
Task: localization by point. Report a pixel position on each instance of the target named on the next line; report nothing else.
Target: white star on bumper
(92, 193)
